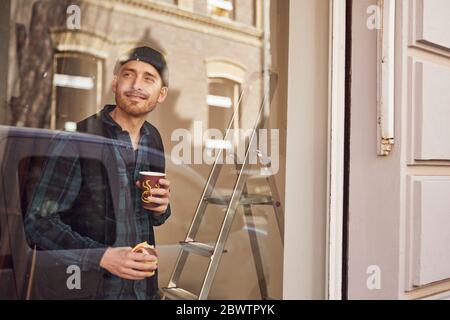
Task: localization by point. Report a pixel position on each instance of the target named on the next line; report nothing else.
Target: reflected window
(76, 89)
(225, 80)
(221, 8)
(223, 95)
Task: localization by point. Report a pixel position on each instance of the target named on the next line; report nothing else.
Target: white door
(399, 204)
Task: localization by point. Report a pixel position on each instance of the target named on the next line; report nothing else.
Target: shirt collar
(109, 121)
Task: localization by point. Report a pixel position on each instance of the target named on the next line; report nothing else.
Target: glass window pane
(61, 86)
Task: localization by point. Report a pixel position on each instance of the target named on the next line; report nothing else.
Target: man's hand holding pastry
(129, 263)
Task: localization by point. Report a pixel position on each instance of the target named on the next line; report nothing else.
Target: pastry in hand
(145, 248)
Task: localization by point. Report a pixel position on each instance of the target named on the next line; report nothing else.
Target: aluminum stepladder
(239, 196)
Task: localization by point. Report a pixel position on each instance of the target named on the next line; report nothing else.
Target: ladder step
(202, 249)
(248, 199)
(178, 294)
(261, 173)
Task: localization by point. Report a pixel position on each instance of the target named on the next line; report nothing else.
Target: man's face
(138, 88)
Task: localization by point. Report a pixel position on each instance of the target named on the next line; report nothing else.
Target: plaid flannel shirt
(54, 224)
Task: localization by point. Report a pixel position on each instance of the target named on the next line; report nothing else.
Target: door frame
(307, 189)
(337, 150)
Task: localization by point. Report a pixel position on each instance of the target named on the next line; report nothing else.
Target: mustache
(139, 93)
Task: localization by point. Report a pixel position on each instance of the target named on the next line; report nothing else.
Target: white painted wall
(306, 159)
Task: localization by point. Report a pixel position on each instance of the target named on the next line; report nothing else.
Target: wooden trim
(336, 142)
(429, 290)
(415, 36)
(385, 75)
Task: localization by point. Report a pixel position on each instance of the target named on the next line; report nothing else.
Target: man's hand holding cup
(155, 191)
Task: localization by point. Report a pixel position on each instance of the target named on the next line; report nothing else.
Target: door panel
(431, 97)
(433, 22)
(399, 204)
(428, 113)
(431, 256)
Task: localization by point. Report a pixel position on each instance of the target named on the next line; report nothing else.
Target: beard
(135, 103)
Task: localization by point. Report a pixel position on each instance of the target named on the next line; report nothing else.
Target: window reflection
(59, 76)
(221, 8)
(76, 88)
(222, 98)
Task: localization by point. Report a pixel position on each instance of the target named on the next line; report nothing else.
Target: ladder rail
(216, 167)
(239, 187)
(257, 258)
(222, 237)
(231, 211)
(277, 205)
(207, 191)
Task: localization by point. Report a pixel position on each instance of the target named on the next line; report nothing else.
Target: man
(75, 216)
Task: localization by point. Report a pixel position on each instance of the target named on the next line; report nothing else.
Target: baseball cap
(148, 55)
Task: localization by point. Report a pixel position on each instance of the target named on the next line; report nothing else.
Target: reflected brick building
(60, 73)
(61, 55)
